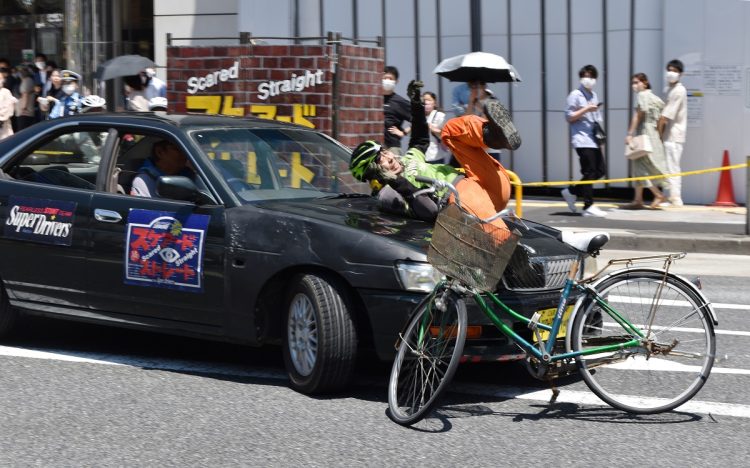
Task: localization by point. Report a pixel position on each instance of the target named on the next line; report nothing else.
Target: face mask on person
(69, 89)
(588, 83)
(672, 76)
(389, 85)
(41, 65)
(638, 87)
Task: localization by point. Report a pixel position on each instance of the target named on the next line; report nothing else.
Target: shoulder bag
(639, 147)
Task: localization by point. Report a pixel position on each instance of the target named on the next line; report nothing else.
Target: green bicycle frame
(553, 329)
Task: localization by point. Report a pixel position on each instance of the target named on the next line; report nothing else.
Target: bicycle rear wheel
(427, 358)
(673, 361)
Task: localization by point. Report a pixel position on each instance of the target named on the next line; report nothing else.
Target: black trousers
(592, 168)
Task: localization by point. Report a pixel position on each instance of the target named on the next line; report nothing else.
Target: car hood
(359, 213)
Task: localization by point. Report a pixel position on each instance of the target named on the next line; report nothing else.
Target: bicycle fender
(676, 277)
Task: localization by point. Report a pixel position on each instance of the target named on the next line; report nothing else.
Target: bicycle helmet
(157, 103)
(93, 101)
(365, 160)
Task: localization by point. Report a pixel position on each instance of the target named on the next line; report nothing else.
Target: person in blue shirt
(167, 159)
(70, 101)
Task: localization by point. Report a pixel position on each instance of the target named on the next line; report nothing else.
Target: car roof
(161, 120)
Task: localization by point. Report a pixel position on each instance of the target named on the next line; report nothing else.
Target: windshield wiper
(347, 195)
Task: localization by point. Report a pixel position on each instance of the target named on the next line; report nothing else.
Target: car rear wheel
(8, 315)
(320, 341)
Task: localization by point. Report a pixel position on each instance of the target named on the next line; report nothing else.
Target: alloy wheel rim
(302, 335)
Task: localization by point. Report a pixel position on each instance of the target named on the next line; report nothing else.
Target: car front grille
(536, 273)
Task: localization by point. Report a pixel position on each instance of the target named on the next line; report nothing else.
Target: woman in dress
(646, 115)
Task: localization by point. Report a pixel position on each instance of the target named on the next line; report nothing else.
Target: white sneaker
(676, 202)
(594, 211)
(570, 199)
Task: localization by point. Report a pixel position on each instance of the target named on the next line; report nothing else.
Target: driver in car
(167, 160)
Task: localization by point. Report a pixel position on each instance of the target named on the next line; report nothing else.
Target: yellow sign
(224, 105)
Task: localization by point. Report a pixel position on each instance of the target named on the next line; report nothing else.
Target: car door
(45, 216)
(154, 259)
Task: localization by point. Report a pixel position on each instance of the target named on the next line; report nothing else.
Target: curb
(658, 241)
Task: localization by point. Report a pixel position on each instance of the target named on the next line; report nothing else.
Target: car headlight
(417, 276)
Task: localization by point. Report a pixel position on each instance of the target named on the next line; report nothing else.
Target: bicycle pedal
(534, 321)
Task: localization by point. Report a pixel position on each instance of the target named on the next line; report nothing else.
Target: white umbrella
(477, 66)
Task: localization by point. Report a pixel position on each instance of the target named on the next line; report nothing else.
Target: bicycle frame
(543, 350)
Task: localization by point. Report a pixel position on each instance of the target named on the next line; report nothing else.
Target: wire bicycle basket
(466, 248)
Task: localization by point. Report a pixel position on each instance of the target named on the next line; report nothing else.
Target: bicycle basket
(470, 250)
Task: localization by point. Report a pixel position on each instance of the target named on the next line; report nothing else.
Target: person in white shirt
(672, 127)
(436, 153)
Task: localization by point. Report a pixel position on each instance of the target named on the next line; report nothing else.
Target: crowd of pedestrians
(32, 92)
(662, 122)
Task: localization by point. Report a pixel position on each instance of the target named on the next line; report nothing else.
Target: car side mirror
(182, 188)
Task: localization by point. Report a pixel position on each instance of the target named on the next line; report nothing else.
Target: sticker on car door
(165, 250)
(40, 220)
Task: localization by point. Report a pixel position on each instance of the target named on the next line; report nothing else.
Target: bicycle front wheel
(427, 358)
(676, 334)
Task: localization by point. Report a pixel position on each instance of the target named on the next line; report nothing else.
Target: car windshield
(267, 164)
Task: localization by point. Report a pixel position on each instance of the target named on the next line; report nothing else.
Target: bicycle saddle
(589, 242)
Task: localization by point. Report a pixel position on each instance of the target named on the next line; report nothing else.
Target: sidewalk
(691, 228)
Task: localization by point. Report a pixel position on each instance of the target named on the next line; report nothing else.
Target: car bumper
(388, 311)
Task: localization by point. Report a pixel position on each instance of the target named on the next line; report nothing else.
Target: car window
(278, 163)
(135, 152)
(69, 160)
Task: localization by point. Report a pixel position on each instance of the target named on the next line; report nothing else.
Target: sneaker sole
(499, 117)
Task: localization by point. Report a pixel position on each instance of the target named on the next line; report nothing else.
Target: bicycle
(658, 339)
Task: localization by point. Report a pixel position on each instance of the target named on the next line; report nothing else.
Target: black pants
(592, 168)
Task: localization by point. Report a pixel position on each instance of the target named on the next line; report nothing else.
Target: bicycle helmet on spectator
(91, 102)
(364, 162)
(157, 103)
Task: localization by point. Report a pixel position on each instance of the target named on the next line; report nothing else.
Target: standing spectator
(673, 126)
(40, 70)
(646, 116)
(396, 109)
(7, 109)
(582, 112)
(26, 100)
(468, 98)
(153, 85)
(135, 98)
(53, 87)
(71, 101)
(436, 152)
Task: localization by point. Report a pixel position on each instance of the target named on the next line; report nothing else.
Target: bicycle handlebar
(439, 184)
(443, 184)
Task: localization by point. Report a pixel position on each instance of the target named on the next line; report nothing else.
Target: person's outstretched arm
(420, 133)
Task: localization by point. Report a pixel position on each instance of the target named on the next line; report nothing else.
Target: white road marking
(687, 330)
(671, 302)
(567, 396)
(588, 398)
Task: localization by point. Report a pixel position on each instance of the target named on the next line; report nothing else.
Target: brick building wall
(292, 83)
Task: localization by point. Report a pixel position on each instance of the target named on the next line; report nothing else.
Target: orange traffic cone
(725, 194)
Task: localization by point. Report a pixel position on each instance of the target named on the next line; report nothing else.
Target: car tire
(319, 337)
(8, 315)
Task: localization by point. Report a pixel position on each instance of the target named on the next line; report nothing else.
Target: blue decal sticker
(165, 250)
(40, 220)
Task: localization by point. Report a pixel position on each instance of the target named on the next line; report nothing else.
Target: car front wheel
(320, 341)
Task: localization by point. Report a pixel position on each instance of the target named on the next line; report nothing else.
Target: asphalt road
(82, 395)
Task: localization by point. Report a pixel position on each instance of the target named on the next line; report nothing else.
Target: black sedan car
(269, 241)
